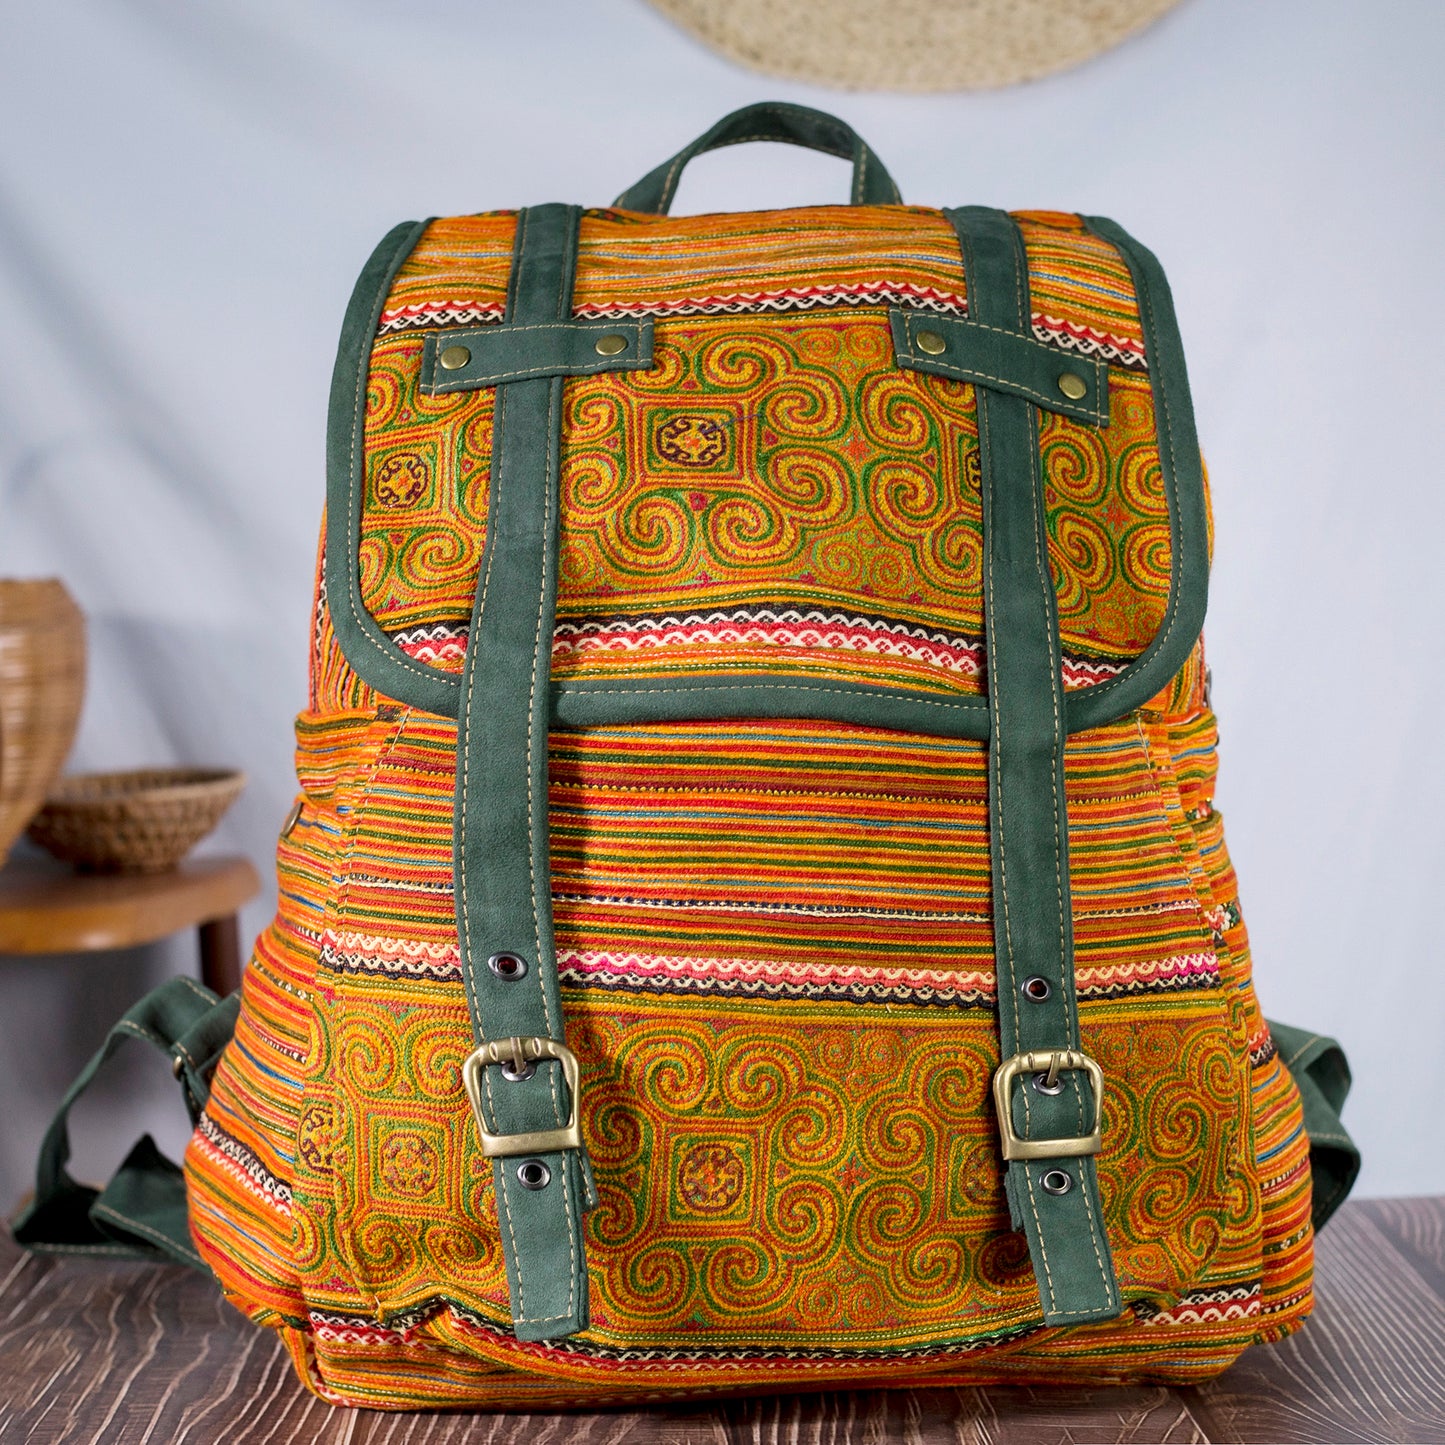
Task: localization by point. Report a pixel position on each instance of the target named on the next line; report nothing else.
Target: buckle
(1049, 1062)
(519, 1052)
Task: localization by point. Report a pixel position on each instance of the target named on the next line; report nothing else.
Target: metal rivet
(292, 818)
(1057, 1182)
(1040, 1082)
(454, 358)
(178, 1066)
(1036, 988)
(611, 345)
(533, 1174)
(1073, 386)
(931, 342)
(507, 966)
(513, 1075)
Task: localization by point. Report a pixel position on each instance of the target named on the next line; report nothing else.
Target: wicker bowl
(143, 821)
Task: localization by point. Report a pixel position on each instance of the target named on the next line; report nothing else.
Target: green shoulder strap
(142, 1211)
(1048, 1094)
(1322, 1074)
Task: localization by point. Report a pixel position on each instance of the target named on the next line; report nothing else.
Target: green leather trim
(1004, 361)
(1322, 1074)
(383, 665)
(778, 121)
(1028, 821)
(516, 353)
(377, 660)
(502, 865)
(197, 1051)
(598, 703)
(142, 1211)
(1182, 472)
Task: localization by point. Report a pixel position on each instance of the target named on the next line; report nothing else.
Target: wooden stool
(45, 908)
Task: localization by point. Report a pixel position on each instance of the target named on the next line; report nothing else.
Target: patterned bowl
(144, 821)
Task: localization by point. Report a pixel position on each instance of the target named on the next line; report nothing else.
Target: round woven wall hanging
(912, 45)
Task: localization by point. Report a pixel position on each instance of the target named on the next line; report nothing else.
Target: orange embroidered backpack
(755, 914)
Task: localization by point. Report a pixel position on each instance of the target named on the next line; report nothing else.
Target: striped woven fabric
(775, 939)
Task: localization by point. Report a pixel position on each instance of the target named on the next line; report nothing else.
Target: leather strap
(502, 865)
(1028, 821)
(467, 359)
(1321, 1072)
(142, 1211)
(776, 120)
(1002, 361)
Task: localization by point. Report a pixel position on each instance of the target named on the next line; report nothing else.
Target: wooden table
(125, 1354)
(46, 908)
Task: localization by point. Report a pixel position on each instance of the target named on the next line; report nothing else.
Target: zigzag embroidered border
(1120, 351)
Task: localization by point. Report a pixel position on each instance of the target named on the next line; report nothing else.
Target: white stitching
(139, 1031)
(521, 1315)
(579, 690)
(553, 391)
(933, 366)
(1157, 388)
(1060, 806)
(1048, 401)
(352, 519)
(501, 1190)
(195, 988)
(1295, 1057)
(542, 369)
(996, 742)
(107, 1212)
(531, 735)
(464, 917)
(1039, 1235)
(691, 152)
(996, 747)
(669, 181)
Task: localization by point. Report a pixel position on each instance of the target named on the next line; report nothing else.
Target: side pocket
(256, 1210)
(1278, 1148)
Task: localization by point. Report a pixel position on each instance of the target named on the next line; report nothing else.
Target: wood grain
(1419, 1234)
(116, 1353)
(45, 908)
(1369, 1365)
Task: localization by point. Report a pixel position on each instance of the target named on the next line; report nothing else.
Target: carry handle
(771, 120)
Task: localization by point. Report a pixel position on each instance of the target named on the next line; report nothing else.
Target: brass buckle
(519, 1052)
(1050, 1062)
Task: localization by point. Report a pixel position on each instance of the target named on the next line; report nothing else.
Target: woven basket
(143, 821)
(912, 45)
(42, 680)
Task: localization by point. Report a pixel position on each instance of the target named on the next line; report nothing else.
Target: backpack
(755, 915)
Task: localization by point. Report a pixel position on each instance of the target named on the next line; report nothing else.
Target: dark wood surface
(221, 954)
(46, 907)
(132, 1354)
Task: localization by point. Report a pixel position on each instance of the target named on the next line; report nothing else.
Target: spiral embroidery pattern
(770, 462)
(774, 939)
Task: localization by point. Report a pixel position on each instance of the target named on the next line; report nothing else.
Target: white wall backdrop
(187, 192)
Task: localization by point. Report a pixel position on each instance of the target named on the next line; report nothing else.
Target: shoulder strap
(1048, 1094)
(142, 1211)
(1322, 1075)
